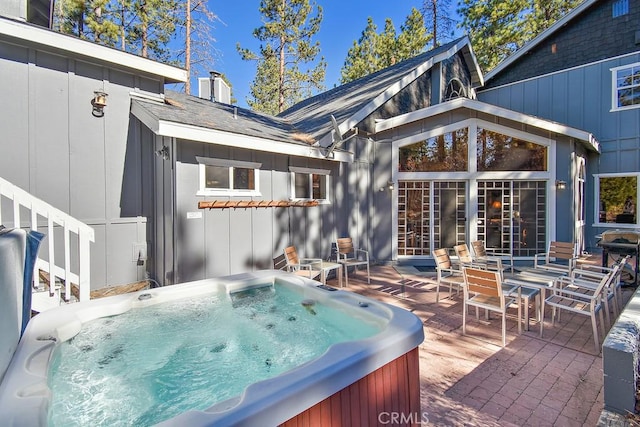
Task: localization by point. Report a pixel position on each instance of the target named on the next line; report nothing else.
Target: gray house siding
(59, 152)
(593, 36)
(581, 97)
(214, 242)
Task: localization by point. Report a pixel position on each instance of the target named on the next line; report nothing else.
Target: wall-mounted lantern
(163, 152)
(98, 102)
(389, 186)
(561, 185)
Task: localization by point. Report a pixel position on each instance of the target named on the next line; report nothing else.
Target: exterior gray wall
(581, 98)
(89, 167)
(234, 240)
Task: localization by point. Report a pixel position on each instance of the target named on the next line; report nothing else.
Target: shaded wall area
(58, 151)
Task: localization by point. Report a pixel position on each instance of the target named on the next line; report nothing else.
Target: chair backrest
(485, 282)
(463, 254)
(291, 255)
(604, 281)
(344, 245)
(442, 258)
(479, 249)
(280, 262)
(561, 250)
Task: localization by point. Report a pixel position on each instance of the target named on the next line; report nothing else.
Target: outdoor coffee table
(325, 267)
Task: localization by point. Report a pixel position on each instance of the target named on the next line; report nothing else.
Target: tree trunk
(187, 50)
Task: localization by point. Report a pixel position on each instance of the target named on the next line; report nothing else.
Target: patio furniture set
(489, 280)
(347, 255)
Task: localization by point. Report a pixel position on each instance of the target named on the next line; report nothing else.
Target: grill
(619, 243)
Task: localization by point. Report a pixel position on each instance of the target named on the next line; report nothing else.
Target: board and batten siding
(581, 97)
(216, 242)
(54, 148)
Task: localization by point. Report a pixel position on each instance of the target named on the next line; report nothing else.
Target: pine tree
(287, 32)
(362, 58)
(198, 51)
(437, 20)
(497, 28)
(143, 27)
(413, 37)
(373, 52)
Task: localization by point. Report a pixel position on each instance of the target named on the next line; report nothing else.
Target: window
(228, 177)
(499, 152)
(617, 197)
(309, 184)
(620, 8)
(626, 86)
(442, 153)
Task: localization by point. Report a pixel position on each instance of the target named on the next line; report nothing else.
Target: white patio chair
(306, 267)
(560, 257)
(483, 289)
(446, 273)
(481, 251)
(583, 297)
(350, 256)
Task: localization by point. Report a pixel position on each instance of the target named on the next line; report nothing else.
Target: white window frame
(309, 171)
(203, 162)
(614, 88)
(596, 185)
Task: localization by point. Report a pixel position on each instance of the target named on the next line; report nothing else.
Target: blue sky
(343, 22)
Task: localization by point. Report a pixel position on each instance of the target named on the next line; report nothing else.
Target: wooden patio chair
(483, 289)
(560, 257)
(466, 259)
(481, 251)
(306, 267)
(350, 256)
(446, 273)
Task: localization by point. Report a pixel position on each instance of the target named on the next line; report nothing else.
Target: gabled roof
(352, 102)
(539, 38)
(189, 117)
(589, 141)
(74, 47)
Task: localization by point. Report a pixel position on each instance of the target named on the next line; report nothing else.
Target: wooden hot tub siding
(393, 388)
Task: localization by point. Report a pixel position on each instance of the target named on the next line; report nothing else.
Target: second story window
(626, 86)
(620, 8)
(228, 177)
(310, 184)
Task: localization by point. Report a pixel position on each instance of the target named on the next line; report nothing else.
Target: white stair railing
(55, 219)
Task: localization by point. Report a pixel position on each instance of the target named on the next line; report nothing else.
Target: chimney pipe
(213, 75)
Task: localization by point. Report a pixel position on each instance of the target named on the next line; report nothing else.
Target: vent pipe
(213, 75)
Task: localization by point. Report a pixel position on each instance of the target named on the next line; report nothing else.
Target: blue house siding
(595, 35)
(581, 97)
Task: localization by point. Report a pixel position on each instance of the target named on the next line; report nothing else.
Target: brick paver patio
(471, 380)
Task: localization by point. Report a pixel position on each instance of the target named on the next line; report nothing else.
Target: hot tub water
(150, 364)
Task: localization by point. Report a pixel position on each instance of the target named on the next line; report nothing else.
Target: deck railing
(76, 253)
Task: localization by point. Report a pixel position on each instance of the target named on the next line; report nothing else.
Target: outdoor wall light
(389, 186)
(163, 152)
(98, 102)
(561, 185)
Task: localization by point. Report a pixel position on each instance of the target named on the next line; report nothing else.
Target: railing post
(55, 218)
(67, 264)
(85, 266)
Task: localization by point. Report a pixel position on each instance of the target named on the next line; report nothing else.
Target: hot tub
(351, 383)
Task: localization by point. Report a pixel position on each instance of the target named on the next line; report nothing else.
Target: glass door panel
(430, 215)
(512, 216)
(450, 210)
(413, 218)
